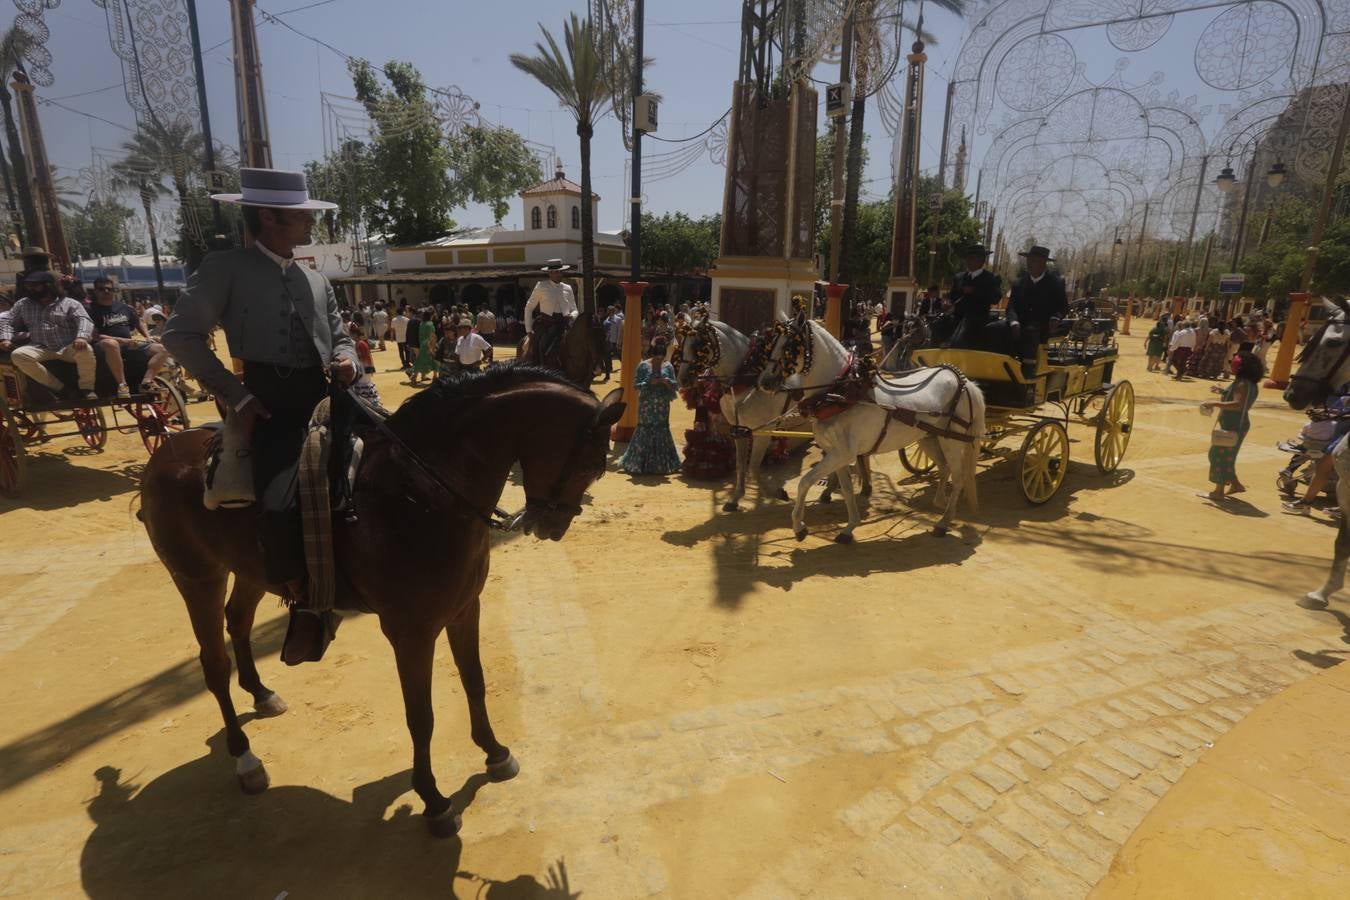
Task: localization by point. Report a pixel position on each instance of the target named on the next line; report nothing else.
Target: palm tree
(13, 44)
(173, 151)
(142, 175)
(575, 74)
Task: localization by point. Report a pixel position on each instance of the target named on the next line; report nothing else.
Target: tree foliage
(413, 196)
(350, 177)
(491, 165)
(99, 229)
(676, 244)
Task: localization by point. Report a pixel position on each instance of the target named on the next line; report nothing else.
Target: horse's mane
(475, 385)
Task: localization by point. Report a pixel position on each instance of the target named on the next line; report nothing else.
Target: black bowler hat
(1038, 250)
(978, 250)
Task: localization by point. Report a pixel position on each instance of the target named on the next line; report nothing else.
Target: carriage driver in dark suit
(974, 292)
(1037, 303)
(281, 318)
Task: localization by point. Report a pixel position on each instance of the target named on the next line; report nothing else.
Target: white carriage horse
(1324, 367)
(711, 349)
(938, 406)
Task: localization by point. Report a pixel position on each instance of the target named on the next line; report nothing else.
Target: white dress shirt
(470, 348)
(549, 299)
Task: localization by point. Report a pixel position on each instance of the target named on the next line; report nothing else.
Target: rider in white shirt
(551, 306)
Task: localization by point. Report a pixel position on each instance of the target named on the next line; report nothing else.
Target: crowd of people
(1204, 346)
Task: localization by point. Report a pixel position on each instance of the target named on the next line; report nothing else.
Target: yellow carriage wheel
(1114, 426)
(1045, 459)
(916, 460)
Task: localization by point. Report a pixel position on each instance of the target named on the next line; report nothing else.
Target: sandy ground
(702, 706)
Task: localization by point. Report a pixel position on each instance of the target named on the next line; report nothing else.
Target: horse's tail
(976, 397)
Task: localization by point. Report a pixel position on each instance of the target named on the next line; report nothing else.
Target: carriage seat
(34, 395)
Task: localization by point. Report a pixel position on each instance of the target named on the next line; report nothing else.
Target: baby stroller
(1313, 442)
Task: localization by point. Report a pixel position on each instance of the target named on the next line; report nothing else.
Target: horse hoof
(826, 498)
(800, 534)
(269, 706)
(1312, 601)
(445, 825)
(729, 507)
(939, 531)
(254, 781)
(504, 770)
(843, 537)
(782, 494)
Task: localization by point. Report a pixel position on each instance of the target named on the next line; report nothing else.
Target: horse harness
(497, 518)
(1324, 381)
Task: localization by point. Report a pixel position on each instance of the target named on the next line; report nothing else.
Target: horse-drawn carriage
(31, 414)
(1069, 382)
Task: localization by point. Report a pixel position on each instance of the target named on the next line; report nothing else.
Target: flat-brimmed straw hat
(1038, 250)
(273, 188)
(555, 265)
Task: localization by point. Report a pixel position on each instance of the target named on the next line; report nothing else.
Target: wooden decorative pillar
(768, 240)
(255, 144)
(39, 175)
(903, 284)
(1293, 323)
(622, 431)
(834, 308)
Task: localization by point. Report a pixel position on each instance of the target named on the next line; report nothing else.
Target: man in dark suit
(1038, 301)
(974, 292)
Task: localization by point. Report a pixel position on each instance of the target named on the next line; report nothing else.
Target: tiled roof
(557, 184)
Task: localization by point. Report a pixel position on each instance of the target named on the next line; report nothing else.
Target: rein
(498, 518)
(1322, 381)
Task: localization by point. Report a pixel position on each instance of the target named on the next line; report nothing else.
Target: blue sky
(693, 43)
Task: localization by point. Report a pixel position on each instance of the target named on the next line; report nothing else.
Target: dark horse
(578, 354)
(468, 432)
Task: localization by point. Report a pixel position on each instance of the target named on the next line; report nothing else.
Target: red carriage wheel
(153, 425)
(92, 425)
(13, 459)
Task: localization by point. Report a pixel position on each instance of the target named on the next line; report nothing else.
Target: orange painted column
(834, 309)
(1284, 360)
(632, 350)
(1129, 308)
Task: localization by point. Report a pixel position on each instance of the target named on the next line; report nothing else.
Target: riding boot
(308, 635)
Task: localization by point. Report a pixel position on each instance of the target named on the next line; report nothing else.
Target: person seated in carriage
(974, 292)
(58, 328)
(123, 339)
(1037, 303)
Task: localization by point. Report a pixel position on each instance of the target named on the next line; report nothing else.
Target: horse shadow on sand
(756, 546)
(190, 833)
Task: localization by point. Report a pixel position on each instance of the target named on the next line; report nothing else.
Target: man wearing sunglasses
(122, 337)
(281, 319)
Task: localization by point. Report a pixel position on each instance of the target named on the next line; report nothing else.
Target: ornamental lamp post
(1274, 178)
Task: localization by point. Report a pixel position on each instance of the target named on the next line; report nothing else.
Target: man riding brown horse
(551, 308)
(281, 318)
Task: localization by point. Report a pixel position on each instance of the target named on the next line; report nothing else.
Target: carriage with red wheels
(31, 414)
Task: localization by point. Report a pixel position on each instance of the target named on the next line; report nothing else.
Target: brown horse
(429, 495)
(578, 353)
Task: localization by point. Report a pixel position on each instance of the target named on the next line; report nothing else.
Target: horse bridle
(797, 341)
(1323, 382)
(498, 518)
(554, 504)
